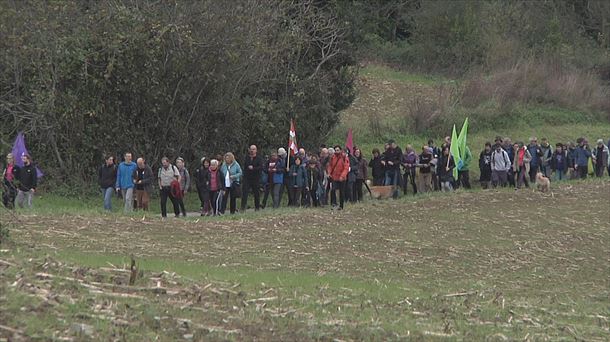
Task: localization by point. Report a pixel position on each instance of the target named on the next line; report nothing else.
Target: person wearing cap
(391, 162)
(27, 179)
(9, 191)
(124, 181)
(600, 158)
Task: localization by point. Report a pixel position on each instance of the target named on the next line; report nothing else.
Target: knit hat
(281, 151)
(600, 141)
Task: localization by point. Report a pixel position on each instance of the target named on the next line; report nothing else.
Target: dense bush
(188, 78)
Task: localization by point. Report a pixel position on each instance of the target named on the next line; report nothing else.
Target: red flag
(292, 140)
(349, 142)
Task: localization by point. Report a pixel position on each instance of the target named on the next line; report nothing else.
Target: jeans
(533, 172)
(392, 177)
(24, 198)
(560, 175)
(230, 199)
(446, 186)
(276, 195)
(128, 197)
(358, 189)
(204, 198)
(108, 192)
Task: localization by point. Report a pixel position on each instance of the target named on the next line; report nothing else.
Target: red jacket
(175, 189)
(338, 167)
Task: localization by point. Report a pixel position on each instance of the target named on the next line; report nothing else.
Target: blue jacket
(278, 175)
(300, 180)
(234, 170)
(581, 156)
(124, 175)
(536, 153)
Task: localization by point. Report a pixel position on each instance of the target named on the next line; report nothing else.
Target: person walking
(425, 169)
(217, 187)
(252, 167)
(124, 181)
(377, 168)
(185, 183)
(202, 182)
(521, 167)
(167, 174)
(27, 180)
(600, 158)
(409, 163)
(143, 180)
(391, 162)
(536, 153)
(9, 190)
(485, 166)
(231, 173)
(337, 169)
(559, 163)
(581, 158)
(500, 164)
(361, 175)
(463, 172)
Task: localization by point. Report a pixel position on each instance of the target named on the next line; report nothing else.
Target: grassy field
(476, 265)
(480, 265)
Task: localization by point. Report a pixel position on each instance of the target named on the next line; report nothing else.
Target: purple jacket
(409, 160)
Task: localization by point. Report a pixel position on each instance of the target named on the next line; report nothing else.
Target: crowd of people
(330, 176)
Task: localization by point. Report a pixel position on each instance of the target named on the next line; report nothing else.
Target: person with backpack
(337, 169)
(167, 174)
(485, 166)
(9, 189)
(231, 174)
(559, 163)
(124, 181)
(500, 164)
(143, 180)
(202, 182)
(27, 179)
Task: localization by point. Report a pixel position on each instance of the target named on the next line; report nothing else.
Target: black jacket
(202, 179)
(378, 170)
(254, 175)
(26, 176)
(444, 175)
(392, 155)
(106, 176)
(147, 178)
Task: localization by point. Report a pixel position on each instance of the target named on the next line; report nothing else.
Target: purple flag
(19, 149)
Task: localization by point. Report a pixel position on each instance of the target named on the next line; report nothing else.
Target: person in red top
(337, 169)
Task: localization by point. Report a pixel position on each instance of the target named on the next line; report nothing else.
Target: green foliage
(84, 79)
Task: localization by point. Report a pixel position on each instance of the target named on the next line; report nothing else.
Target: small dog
(542, 183)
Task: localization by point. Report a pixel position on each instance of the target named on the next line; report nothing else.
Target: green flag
(455, 152)
(462, 139)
